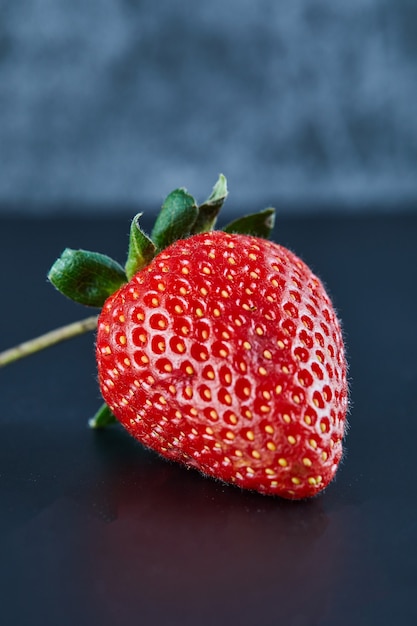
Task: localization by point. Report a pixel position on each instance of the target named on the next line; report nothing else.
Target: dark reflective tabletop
(95, 529)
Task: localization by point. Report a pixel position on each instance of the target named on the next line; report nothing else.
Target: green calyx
(257, 224)
(209, 210)
(175, 220)
(103, 418)
(86, 277)
(141, 249)
(89, 278)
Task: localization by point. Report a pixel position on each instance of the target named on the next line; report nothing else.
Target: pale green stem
(47, 340)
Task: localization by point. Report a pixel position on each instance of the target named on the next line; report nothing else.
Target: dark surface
(94, 529)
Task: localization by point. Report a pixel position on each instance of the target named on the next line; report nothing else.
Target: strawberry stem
(47, 340)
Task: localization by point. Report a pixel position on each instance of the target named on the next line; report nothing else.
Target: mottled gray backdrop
(112, 103)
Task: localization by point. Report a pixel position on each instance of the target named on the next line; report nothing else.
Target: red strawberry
(225, 354)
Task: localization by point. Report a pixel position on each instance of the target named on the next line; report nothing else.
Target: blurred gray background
(305, 104)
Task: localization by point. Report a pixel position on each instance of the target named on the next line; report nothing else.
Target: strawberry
(217, 349)
(225, 354)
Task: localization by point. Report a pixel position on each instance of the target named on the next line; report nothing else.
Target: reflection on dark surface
(134, 533)
(203, 548)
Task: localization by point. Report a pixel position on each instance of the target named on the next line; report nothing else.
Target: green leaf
(209, 210)
(141, 249)
(257, 224)
(86, 277)
(175, 220)
(104, 417)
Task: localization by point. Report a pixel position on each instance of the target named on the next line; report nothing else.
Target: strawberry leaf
(175, 220)
(257, 224)
(141, 249)
(104, 417)
(209, 210)
(86, 277)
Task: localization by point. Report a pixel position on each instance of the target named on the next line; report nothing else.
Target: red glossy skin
(225, 354)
